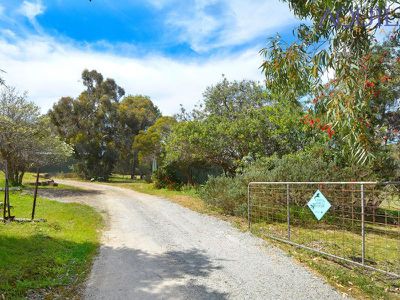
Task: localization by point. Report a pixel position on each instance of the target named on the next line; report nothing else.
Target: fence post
(5, 192)
(7, 206)
(35, 194)
(362, 225)
(288, 209)
(248, 206)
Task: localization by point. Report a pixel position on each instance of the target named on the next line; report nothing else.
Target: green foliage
(89, 124)
(150, 143)
(317, 164)
(136, 114)
(229, 99)
(360, 92)
(168, 177)
(235, 122)
(100, 127)
(26, 138)
(226, 193)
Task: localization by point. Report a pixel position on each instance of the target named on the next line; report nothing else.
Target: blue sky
(170, 50)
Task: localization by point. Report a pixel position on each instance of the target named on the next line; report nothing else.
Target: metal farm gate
(357, 222)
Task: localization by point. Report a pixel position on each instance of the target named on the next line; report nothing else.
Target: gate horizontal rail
(359, 224)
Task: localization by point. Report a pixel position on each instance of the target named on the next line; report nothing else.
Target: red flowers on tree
(313, 122)
(369, 84)
(328, 129)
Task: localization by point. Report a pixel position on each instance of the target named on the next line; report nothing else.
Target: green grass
(48, 259)
(353, 281)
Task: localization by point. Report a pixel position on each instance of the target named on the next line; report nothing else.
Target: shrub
(167, 177)
(230, 194)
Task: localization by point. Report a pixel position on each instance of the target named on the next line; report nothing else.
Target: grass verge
(47, 260)
(346, 278)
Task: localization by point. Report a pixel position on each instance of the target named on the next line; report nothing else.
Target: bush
(174, 175)
(167, 177)
(230, 194)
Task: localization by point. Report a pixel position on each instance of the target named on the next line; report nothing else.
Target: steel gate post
(248, 206)
(362, 225)
(288, 209)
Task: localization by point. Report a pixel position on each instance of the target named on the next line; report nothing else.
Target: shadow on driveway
(125, 273)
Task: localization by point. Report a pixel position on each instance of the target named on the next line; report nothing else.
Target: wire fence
(358, 222)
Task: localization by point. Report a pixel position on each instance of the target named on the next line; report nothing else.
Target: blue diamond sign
(319, 205)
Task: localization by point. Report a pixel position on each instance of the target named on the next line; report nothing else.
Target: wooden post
(35, 194)
(6, 194)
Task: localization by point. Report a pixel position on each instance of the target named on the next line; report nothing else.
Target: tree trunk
(15, 174)
(134, 164)
(21, 177)
(188, 173)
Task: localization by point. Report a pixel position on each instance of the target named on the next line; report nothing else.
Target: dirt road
(155, 249)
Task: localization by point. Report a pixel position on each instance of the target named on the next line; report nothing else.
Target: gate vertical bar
(288, 210)
(362, 225)
(248, 206)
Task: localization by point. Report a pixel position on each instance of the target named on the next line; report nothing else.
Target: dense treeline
(330, 110)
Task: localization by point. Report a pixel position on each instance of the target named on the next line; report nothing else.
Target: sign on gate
(319, 205)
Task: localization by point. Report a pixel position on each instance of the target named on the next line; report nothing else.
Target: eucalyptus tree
(90, 124)
(101, 125)
(337, 64)
(136, 113)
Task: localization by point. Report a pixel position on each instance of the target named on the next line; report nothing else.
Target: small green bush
(228, 194)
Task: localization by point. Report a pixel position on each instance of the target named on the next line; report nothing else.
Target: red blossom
(324, 127)
(369, 84)
(376, 93)
(330, 132)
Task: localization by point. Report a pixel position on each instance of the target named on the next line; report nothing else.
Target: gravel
(155, 249)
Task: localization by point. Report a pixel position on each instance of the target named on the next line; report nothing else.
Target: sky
(169, 50)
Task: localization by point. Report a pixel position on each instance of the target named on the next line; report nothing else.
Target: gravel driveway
(155, 249)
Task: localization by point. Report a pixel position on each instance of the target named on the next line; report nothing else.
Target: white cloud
(49, 70)
(2, 9)
(31, 10)
(239, 22)
(8, 33)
